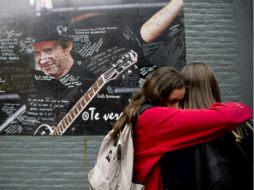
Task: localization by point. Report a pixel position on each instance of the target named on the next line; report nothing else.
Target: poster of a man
(69, 49)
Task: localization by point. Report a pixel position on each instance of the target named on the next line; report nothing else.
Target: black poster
(70, 67)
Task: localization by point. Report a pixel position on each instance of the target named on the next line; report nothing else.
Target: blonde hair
(202, 90)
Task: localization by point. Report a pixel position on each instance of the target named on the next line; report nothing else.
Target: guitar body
(44, 130)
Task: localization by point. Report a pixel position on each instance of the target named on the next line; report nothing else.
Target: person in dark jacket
(224, 163)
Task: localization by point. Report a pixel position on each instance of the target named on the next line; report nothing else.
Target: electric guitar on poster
(126, 61)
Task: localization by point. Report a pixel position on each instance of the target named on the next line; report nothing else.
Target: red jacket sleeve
(172, 128)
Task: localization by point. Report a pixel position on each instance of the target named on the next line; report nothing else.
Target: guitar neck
(70, 117)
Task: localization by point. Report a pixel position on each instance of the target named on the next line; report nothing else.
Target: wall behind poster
(101, 32)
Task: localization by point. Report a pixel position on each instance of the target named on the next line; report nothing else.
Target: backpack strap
(144, 107)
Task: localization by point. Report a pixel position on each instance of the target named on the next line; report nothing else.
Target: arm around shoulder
(179, 128)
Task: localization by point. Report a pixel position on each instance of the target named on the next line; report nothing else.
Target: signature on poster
(92, 115)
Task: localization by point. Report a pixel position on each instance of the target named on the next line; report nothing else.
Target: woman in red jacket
(165, 128)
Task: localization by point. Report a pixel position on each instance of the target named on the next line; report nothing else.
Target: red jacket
(162, 129)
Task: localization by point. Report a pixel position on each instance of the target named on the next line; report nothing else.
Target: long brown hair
(156, 89)
(202, 88)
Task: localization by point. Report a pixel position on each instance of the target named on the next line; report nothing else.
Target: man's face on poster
(51, 58)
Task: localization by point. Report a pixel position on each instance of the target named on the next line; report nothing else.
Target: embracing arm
(160, 21)
(179, 128)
